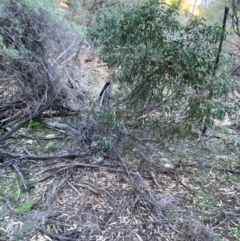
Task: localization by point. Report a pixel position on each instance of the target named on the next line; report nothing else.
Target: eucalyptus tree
(164, 67)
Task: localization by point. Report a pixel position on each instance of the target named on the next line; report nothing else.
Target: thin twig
(15, 166)
(179, 181)
(6, 200)
(74, 188)
(65, 51)
(154, 179)
(123, 164)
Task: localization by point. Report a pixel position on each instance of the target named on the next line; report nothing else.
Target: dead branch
(179, 181)
(64, 167)
(56, 236)
(104, 96)
(220, 215)
(153, 176)
(89, 187)
(123, 164)
(5, 154)
(62, 127)
(82, 132)
(96, 5)
(208, 167)
(55, 137)
(16, 168)
(29, 82)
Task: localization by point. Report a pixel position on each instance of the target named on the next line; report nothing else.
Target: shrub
(165, 67)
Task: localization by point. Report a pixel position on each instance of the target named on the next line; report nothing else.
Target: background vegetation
(168, 67)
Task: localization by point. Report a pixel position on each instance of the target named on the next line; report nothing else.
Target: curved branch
(5, 154)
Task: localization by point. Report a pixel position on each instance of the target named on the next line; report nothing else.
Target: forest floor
(188, 190)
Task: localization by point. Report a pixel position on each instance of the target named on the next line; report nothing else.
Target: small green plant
(10, 186)
(26, 206)
(223, 128)
(236, 233)
(219, 238)
(35, 124)
(52, 147)
(105, 143)
(18, 235)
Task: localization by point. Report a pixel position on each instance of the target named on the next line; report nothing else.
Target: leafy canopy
(167, 66)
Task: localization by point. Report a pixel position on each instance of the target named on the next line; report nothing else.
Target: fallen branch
(54, 137)
(56, 236)
(123, 164)
(64, 128)
(222, 215)
(5, 154)
(77, 165)
(54, 169)
(208, 167)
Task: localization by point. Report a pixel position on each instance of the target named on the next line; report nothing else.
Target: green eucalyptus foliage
(167, 66)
